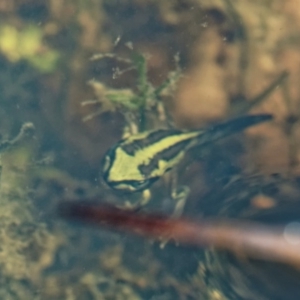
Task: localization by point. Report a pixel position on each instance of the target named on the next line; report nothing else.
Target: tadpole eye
(143, 184)
(106, 163)
(130, 186)
(109, 159)
(140, 185)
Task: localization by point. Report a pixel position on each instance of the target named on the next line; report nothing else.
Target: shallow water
(167, 64)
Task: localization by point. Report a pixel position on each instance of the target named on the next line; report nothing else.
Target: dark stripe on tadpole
(153, 137)
(171, 152)
(158, 135)
(166, 154)
(131, 148)
(147, 169)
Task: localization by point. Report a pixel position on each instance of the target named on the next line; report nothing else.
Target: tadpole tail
(232, 126)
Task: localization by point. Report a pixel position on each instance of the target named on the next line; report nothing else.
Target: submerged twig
(100, 56)
(255, 240)
(26, 130)
(246, 107)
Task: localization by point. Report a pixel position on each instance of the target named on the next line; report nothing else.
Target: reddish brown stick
(243, 238)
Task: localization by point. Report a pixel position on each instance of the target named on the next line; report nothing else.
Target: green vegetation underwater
(86, 88)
